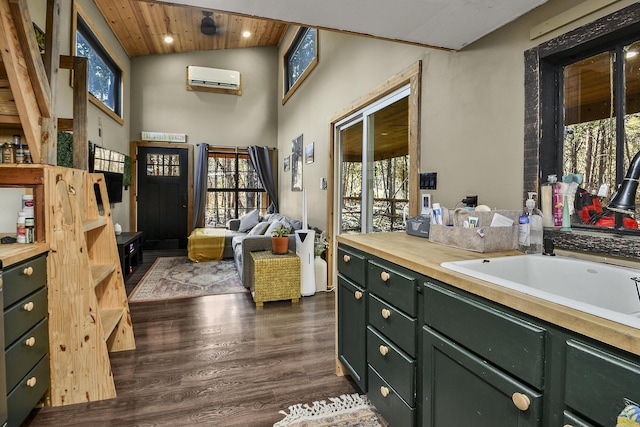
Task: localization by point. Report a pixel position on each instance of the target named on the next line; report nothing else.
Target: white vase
(321, 274)
(117, 228)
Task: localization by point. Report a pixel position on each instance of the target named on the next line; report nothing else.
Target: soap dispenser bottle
(530, 228)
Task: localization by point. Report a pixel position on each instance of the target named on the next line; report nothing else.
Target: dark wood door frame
(133, 193)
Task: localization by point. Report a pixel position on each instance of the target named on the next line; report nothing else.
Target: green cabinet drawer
(461, 389)
(597, 382)
(351, 330)
(22, 279)
(352, 264)
(387, 401)
(573, 420)
(22, 399)
(513, 344)
(393, 324)
(392, 364)
(25, 352)
(394, 284)
(21, 316)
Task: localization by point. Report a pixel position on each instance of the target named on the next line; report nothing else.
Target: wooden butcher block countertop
(14, 253)
(422, 256)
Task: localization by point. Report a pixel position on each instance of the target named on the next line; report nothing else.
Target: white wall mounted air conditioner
(213, 77)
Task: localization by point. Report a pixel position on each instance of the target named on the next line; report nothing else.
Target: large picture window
(299, 59)
(105, 74)
(582, 92)
(233, 188)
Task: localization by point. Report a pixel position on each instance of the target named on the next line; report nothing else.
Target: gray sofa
(239, 244)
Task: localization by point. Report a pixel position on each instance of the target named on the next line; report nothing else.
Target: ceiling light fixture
(208, 27)
(246, 34)
(168, 39)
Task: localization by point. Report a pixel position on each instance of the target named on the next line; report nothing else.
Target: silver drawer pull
(385, 276)
(28, 306)
(28, 271)
(30, 342)
(31, 382)
(384, 391)
(346, 258)
(521, 401)
(357, 294)
(384, 350)
(386, 313)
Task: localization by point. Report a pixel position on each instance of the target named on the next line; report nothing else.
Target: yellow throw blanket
(206, 244)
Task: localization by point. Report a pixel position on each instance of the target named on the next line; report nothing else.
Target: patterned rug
(347, 410)
(178, 277)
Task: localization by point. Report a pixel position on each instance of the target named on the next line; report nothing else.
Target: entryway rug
(348, 410)
(178, 277)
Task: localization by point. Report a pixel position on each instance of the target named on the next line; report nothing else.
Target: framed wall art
(296, 164)
(287, 163)
(308, 153)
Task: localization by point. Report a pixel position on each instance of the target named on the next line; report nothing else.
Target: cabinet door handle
(385, 276)
(31, 382)
(346, 258)
(28, 306)
(28, 271)
(357, 294)
(567, 425)
(384, 350)
(521, 401)
(386, 313)
(30, 342)
(384, 391)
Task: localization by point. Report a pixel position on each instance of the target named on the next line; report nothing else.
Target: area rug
(178, 277)
(348, 410)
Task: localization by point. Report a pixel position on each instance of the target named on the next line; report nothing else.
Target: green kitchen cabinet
(352, 330)
(460, 388)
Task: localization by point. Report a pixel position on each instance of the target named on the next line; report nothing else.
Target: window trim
(541, 80)
(78, 10)
(293, 42)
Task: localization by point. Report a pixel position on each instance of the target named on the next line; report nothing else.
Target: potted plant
(280, 240)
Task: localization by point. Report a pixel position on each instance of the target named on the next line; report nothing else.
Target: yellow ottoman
(276, 277)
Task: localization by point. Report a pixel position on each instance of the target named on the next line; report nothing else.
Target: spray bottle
(530, 228)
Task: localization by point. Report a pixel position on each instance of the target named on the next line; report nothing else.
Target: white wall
(161, 102)
(472, 117)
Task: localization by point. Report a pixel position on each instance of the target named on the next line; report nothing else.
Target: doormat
(178, 277)
(348, 410)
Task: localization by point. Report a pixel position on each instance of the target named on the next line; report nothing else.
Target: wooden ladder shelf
(89, 313)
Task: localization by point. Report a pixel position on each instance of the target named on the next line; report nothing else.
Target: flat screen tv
(113, 182)
(111, 164)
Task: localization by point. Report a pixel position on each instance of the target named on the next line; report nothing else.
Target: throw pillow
(259, 229)
(249, 220)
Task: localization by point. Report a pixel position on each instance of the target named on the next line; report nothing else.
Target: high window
(299, 59)
(105, 74)
(233, 188)
(590, 120)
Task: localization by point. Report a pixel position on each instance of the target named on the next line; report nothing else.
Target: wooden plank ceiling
(141, 27)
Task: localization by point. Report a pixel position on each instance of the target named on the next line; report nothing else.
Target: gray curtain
(200, 186)
(262, 163)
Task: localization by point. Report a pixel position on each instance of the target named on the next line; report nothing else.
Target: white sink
(600, 289)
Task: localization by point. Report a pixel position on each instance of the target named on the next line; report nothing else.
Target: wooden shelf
(110, 318)
(101, 272)
(92, 224)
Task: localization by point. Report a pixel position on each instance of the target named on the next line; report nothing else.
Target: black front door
(162, 196)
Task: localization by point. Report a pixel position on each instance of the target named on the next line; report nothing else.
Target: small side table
(130, 251)
(276, 277)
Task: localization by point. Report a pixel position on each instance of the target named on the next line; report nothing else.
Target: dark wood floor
(215, 361)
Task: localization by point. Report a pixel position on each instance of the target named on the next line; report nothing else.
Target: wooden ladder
(89, 313)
